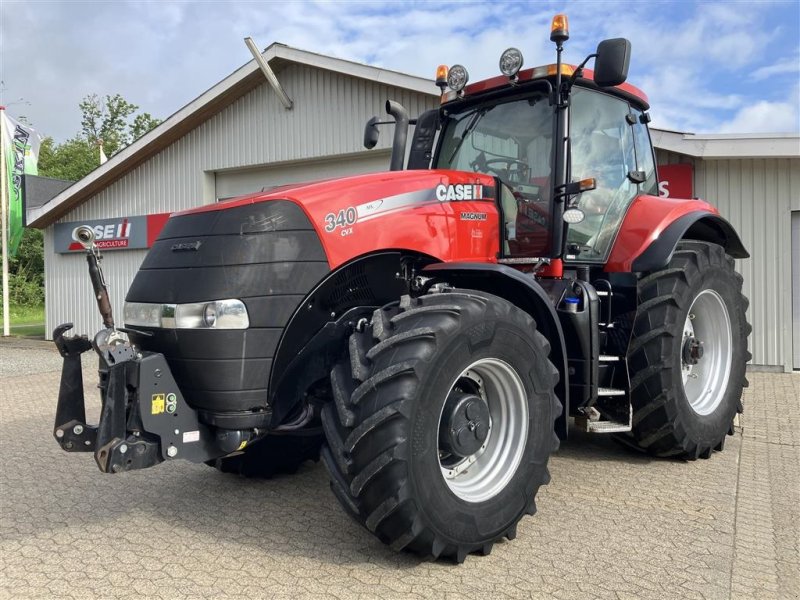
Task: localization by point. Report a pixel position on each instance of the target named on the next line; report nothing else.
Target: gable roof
(209, 103)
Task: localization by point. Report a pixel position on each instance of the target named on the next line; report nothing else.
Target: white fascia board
(672, 141)
(721, 146)
(777, 146)
(359, 70)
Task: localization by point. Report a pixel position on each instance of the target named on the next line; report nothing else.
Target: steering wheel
(520, 174)
(515, 171)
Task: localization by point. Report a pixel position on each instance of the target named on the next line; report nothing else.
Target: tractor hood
(271, 250)
(449, 215)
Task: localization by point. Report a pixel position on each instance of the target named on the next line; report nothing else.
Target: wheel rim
(484, 474)
(707, 333)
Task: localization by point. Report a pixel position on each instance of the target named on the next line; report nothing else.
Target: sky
(707, 67)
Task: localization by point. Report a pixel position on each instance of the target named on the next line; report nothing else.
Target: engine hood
(449, 215)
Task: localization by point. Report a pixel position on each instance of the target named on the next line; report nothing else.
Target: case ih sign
(123, 233)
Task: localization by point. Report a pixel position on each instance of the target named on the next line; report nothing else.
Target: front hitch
(144, 418)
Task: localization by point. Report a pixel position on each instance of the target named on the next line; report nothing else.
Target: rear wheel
(688, 353)
(442, 423)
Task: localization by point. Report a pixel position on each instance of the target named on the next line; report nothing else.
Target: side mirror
(371, 133)
(611, 64)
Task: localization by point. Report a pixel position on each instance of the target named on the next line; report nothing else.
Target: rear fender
(526, 293)
(653, 227)
(699, 225)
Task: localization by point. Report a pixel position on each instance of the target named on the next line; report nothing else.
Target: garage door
(246, 181)
(796, 287)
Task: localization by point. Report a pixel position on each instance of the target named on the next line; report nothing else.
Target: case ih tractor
(431, 330)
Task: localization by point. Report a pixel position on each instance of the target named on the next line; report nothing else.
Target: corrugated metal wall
(757, 197)
(328, 118)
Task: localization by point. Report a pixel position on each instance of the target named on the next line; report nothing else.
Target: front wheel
(688, 353)
(442, 423)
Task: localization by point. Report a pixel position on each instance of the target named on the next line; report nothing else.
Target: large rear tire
(688, 353)
(442, 423)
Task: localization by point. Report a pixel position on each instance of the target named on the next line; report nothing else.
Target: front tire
(688, 353)
(442, 423)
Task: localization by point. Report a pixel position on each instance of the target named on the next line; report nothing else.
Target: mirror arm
(579, 70)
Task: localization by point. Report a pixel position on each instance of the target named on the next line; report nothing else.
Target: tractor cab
(558, 200)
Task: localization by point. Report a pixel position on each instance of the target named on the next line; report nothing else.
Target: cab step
(610, 392)
(606, 427)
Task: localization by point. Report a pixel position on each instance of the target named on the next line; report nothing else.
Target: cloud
(766, 117)
(790, 64)
(692, 59)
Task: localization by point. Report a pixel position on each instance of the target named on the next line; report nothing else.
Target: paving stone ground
(611, 524)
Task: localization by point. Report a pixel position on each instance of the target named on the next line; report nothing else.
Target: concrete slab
(612, 523)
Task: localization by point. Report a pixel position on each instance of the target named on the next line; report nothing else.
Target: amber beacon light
(559, 29)
(441, 77)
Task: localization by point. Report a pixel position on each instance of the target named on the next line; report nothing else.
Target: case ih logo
(459, 191)
(122, 233)
(106, 236)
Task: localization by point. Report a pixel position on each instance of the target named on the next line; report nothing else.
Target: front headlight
(217, 314)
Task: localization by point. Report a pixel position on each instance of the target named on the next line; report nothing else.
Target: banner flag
(22, 154)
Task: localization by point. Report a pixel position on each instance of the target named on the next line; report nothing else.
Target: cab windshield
(511, 141)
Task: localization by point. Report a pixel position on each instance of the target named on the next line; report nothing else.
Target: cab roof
(500, 82)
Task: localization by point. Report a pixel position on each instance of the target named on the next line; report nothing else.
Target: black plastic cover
(266, 254)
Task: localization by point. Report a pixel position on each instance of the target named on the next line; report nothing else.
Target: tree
(112, 119)
(71, 160)
(142, 124)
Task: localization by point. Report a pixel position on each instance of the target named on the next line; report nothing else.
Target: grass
(26, 321)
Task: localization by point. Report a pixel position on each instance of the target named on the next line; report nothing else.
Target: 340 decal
(344, 218)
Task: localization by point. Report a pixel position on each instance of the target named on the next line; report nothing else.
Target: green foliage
(142, 123)
(26, 321)
(111, 119)
(26, 270)
(72, 160)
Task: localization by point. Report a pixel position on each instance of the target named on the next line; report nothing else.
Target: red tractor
(431, 330)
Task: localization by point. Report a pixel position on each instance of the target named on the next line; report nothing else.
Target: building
(240, 137)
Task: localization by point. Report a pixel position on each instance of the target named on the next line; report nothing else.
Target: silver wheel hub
(706, 352)
(483, 430)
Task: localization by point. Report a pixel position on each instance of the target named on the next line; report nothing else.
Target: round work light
(457, 78)
(510, 62)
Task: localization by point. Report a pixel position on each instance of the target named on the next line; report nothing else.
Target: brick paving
(612, 523)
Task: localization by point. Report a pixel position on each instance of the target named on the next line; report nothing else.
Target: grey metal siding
(756, 196)
(244, 181)
(328, 119)
(796, 288)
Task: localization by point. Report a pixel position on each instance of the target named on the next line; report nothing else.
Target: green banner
(21, 148)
